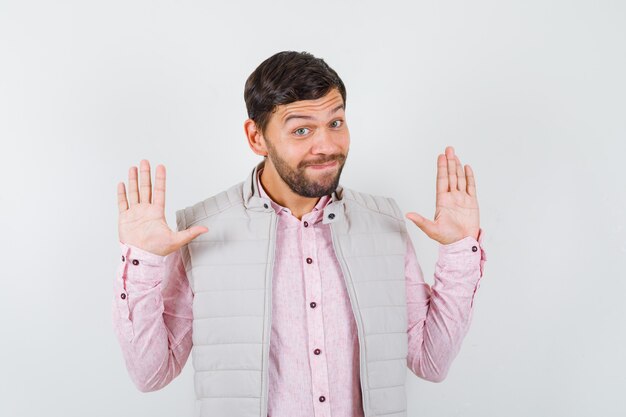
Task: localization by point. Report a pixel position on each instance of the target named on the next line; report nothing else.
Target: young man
(300, 297)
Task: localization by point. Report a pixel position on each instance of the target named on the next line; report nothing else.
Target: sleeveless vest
(230, 268)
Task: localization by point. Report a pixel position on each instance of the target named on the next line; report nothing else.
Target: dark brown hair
(286, 77)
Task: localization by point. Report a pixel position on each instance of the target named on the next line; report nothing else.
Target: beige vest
(230, 273)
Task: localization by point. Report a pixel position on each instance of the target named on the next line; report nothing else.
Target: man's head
(296, 106)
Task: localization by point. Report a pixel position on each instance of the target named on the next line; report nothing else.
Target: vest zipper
(272, 253)
(361, 337)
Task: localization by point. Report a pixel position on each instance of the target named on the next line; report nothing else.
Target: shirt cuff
(466, 251)
(463, 245)
(135, 255)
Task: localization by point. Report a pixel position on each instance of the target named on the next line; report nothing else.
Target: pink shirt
(314, 352)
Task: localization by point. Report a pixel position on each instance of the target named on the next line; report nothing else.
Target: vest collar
(252, 199)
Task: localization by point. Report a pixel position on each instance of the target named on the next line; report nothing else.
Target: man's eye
(299, 130)
(337, 121)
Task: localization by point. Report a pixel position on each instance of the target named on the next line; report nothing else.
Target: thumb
(422, 222)
(185, 236)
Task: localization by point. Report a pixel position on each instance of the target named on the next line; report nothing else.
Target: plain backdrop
(530, 93)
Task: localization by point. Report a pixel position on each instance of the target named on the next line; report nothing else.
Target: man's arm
(152, 316)
(439, 317)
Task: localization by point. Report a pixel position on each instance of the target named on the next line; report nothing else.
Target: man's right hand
(142, 222)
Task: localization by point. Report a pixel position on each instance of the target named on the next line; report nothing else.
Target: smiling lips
(328, 165)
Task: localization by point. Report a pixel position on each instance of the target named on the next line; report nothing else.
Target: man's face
(306, 133)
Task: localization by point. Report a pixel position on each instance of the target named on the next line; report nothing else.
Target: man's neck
(281, 194)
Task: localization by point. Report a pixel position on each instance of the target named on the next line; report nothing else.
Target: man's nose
(325, 143)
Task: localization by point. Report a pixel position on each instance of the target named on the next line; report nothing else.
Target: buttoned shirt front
(314, 350)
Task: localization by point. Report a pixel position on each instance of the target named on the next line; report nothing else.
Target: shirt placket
(315, 323)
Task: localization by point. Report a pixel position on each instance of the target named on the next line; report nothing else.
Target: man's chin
(326, 188)
(325, 183)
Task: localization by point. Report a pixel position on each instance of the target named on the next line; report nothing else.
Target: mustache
(338, 158)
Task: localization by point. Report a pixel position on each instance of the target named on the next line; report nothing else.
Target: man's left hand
(456, 211)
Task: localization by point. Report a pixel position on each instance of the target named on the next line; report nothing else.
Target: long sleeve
(152, 316)
(439, 316)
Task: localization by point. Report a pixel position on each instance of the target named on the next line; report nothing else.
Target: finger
(145, 190)
(471, 183)
(460, 175)
(427, 226)
(159, 186)
(185, 236)
(122, 204)
(133, 195)
(442, 174)
(451, 168)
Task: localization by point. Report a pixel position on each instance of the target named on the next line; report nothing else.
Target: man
(299, 296)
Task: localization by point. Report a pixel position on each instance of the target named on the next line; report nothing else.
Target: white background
(532, 94)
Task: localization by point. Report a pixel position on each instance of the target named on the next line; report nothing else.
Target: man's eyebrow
(299, 116)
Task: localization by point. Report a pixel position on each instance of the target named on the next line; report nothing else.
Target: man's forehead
(323, 104)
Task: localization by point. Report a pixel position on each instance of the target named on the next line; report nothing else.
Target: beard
(298, 180)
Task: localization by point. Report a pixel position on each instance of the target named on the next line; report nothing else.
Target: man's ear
(255, 138)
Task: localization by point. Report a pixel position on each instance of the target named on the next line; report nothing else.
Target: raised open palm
(456, 207)
(142, 222)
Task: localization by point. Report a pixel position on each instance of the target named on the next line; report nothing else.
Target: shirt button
(123, 296)
(317, 351)
(309, 260)
(474, 248)
(306, 224)
(265, 205)
(123, 258)
(322, 399)
(331, 216)
(135, 262)
(313, 304)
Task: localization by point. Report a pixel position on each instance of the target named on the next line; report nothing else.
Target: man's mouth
(324, 166)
